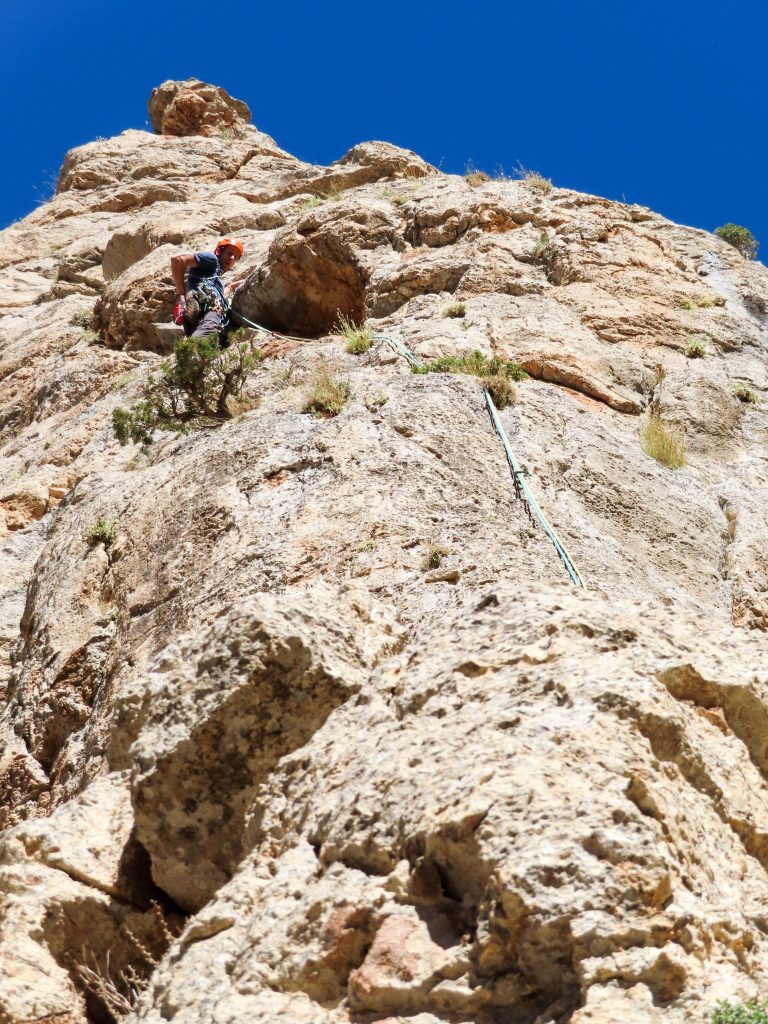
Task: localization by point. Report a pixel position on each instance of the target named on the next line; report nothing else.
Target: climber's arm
(179, 264)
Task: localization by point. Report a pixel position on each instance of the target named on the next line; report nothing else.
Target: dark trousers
(209, 323)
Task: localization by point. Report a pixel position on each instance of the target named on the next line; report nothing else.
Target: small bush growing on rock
(312, 202)
(540, 246)
(399, 200)
(197, 385)
(696, 349)
(745, 393)
(101, 532)
(359, 339)
(740, 1013)
(455, 310)
(665, 445)
(535, 181)
(740, 238)
(121, 380)
(82, 318)
(327, 392)
(702, 302)
(434, 556)
(500, 390)
(495, 373)
(475, 178)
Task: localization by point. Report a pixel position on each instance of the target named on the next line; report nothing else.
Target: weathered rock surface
(195, 108)
(366, 787)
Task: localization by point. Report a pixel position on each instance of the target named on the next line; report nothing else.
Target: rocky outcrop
(196, 108)
(301, 717)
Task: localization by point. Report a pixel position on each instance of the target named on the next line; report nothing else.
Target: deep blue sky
(659, 102)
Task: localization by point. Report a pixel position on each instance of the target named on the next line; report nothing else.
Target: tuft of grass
(664, 444)
(101, 532)
(745, 393)
(433, 557)
(501, 390)
(540, 246)
(536, 182)
(495, 374)
(312, 202)
(326, 391)
(740, 1013)
(399, 200)
(367, 546)
(476, 178)
(122, 379)
(375, 403)
(702, 302)
(359, 339)
(91, 337)
(284, 376)
(740, 238)
(455, 310)
(82, 318)
(696, 349)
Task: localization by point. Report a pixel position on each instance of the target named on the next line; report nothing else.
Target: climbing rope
(262, 330)
(522, 491)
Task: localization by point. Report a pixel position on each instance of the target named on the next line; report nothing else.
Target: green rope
(522, 491)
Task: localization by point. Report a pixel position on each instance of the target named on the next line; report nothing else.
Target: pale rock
(193, 107)
(499, 799)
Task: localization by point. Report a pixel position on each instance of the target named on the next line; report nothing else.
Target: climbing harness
(522, 491)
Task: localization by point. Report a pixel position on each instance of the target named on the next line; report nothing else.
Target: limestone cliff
(260, 760)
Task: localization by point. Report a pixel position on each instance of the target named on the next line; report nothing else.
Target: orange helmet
(234, 242)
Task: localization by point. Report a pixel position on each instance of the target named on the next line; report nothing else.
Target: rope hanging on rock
(522, 491)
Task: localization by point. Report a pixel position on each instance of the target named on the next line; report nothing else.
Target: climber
(201, 296)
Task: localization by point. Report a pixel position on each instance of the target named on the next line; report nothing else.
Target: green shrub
(537, 182)
(665, 445)
(434, 556)
(540, 246)
(82, 318)
(501, 390)
(197, 385)
(326, 391)
(101, 532)
(359, 339)
(399, 200)
(455, 310)
(745, 393)
(312, 202)
(696, 349)
(740, 1013)
(702, 302)
(740, 238)
(495, 373)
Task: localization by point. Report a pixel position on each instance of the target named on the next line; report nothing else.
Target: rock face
(195, 108)
(322, 732)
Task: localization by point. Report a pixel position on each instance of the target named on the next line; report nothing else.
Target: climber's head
(229, 251)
